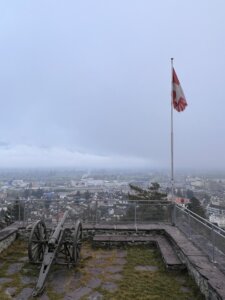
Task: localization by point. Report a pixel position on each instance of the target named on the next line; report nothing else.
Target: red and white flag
(178, 99)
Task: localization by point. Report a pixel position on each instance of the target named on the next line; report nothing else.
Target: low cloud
(20, 156)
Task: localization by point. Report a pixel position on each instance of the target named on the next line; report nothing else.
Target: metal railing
(207, 236)
(135, 212)
(94, 212)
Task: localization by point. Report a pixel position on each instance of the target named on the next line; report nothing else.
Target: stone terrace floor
(134, 272)
(208, 270)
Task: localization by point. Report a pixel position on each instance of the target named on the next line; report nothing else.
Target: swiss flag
(178, 98)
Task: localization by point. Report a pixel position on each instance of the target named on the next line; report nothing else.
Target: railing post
(57, 211)
(213, 244)
(19, 203)
(189, 225)
(24, 213)
(96, 212)
(116, 219)
(135, 214)
(88, 213)
(174, 215)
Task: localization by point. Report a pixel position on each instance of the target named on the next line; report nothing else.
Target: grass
(161, 284)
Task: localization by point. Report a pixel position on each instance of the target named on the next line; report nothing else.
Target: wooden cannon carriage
(62, 246)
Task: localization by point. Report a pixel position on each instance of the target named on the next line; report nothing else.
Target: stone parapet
(7, 237)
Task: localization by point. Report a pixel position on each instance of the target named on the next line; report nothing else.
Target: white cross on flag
(178, 99)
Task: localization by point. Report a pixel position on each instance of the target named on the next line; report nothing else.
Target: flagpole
(172, 169)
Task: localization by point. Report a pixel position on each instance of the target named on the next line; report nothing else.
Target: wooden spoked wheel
(71, 246)
(37, 242)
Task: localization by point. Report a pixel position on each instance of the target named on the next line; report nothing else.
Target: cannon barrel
(58, 231)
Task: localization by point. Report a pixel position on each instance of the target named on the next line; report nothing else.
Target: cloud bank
(22, 156)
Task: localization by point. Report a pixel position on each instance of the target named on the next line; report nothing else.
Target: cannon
(62, 246)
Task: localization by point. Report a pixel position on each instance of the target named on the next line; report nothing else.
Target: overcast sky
(88, 83)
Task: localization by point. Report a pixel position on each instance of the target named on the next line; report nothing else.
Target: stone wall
(203, 283)
(7, 237)
(206, 275)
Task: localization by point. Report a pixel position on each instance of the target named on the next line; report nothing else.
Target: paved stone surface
(104, 255)
(100, 271)
(94, 283)
(106, 266)
(24, 259)
(185, 289)
(27, 280)
(120, 261)
(10, 291)
(114, 277)
(74, 282)
(121, 253)
(4, 280)
(43, 297)
(95, 271)
(25, 294)
(14, 268)
(114, 269)
(110, 286)
(96, 262)
(95, 296)
(58, 280)
(78, 293)
(146, 268)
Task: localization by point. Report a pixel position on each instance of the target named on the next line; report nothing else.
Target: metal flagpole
(172, 171)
